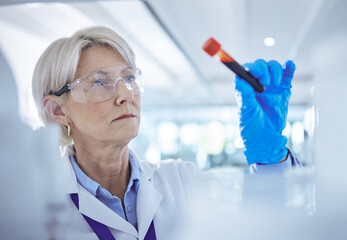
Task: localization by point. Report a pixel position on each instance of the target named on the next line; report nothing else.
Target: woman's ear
(54, 109)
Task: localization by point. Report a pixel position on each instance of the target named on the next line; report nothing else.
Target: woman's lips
(124, 116)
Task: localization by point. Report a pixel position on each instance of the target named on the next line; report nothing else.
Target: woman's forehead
(111, 71)
(96, 58)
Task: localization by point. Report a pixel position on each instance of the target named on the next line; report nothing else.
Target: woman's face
(114, 121)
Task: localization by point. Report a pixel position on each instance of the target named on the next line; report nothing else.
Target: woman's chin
(124, 136)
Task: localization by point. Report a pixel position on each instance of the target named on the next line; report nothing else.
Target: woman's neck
(107, 165)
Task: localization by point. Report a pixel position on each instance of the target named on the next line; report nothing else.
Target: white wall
(330, 60)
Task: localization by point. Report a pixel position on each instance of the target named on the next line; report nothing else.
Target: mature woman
(90, 86)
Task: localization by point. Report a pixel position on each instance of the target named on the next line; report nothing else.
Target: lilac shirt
(113, 202)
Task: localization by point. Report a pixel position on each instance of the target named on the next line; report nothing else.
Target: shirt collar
(94, 187)
(135, 171)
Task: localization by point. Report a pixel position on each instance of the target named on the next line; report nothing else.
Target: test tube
(212, 47)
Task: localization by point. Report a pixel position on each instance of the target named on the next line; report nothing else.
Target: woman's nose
(123, 94)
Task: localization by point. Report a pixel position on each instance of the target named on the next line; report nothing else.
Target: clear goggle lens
(102, 85)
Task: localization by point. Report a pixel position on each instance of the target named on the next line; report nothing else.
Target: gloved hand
(263, 115)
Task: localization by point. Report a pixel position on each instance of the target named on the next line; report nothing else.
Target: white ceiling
(167, 37)
(241, 27)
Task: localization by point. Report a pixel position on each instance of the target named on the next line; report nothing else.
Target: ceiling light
(269, 41)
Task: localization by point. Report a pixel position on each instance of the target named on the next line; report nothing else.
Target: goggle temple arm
(61, 91)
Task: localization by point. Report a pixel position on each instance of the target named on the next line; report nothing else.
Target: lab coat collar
(148, 199)
(71, 180)
(95, 209)
(90, 206)
(148, 202)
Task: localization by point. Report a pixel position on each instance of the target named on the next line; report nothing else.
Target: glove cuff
(275, 151)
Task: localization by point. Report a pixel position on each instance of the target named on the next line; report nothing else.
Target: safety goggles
(101, 85)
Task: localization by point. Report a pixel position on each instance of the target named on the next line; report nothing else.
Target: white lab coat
(162, 196)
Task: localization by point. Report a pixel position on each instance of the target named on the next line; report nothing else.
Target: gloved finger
(276, 71)
(259, 69)
(244, 92)
(288, 73)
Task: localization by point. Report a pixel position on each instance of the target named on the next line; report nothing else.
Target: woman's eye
(129, 78)
(99, 82)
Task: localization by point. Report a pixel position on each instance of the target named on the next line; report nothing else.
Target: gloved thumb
(288, 73)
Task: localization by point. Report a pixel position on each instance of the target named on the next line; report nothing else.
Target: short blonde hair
(57, 67)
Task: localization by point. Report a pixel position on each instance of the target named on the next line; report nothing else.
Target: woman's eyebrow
(101, 71)
(126, 68)
(104, 71)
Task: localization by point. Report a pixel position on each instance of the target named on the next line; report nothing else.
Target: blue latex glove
(263, 115)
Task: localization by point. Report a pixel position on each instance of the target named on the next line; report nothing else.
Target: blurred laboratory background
(188, 106)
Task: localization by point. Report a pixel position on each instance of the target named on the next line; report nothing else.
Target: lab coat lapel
(93, 208)
(72, 184)
(148, 201)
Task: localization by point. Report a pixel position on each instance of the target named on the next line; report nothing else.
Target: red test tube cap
(211, 46)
